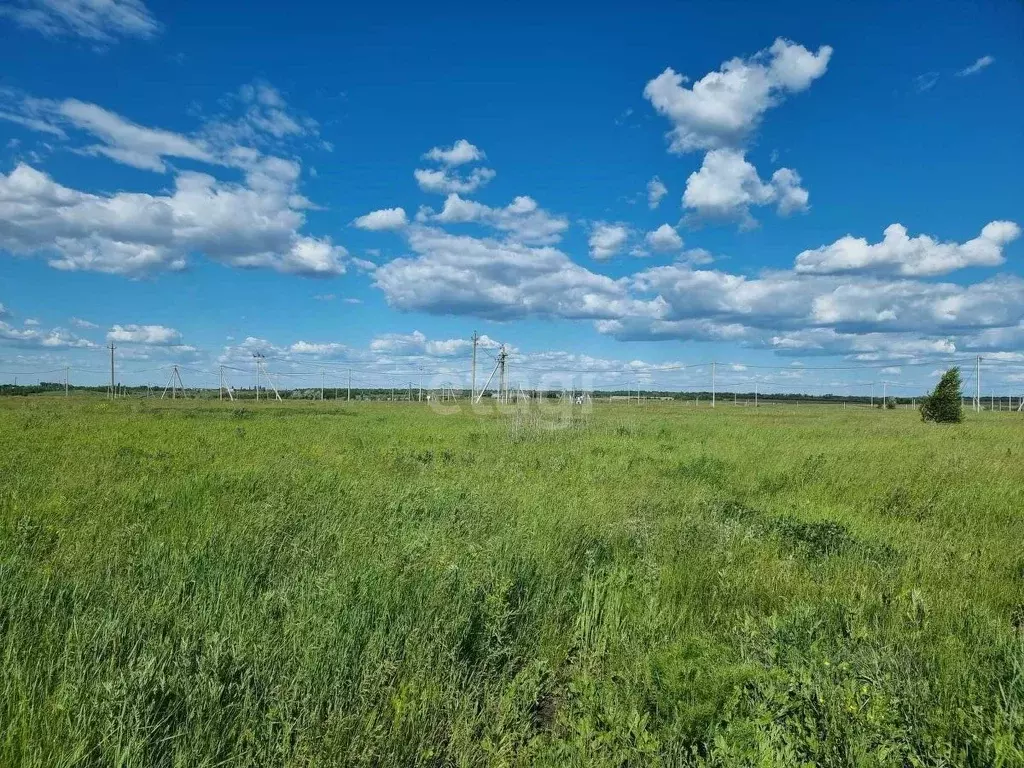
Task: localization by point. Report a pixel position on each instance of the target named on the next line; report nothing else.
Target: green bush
(945, 403)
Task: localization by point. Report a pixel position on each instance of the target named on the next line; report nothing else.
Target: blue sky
(362, 188)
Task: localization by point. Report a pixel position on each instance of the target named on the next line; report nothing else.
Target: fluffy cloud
(80, 323)
(386, 218)
(780, 302)
(522, 217)
(144, 334)
(866, 347)
(320, 351)
(460, 275)
(416, 344)
(664, 239)
(727, 186)
(460, 153)
(976, 67)
(906, 305)
(246, 225)
(444, 181)
(724, 107)
(606, 240)
(101, 21)
(55, 338)
(907, 256)
(253, 223)
(656, 190)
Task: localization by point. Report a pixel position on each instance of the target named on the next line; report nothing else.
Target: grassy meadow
(199, 584)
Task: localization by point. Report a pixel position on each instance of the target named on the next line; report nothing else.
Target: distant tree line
(403, 394)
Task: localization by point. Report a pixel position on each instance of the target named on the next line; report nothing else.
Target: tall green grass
(314, 585)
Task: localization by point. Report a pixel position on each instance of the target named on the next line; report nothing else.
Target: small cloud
(31, 322)
(459, 153)
(145, 334)
(80, 323)
(384, 219)
(976, 67)
(606, 240)
(696, 256)
(325, 297)
(353, 301)
(926, 81)
(656, 190)
(664, 239)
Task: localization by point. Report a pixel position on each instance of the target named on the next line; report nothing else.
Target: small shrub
(817, 539)
(945, 404)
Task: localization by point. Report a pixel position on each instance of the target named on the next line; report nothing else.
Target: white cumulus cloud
(664, 239)
(159, 335)
(656, 190)
(523, 217)
(462, 275)
(386, 218)
(607, 240)
(444, 181)
(245, 225)
(724, 107)
(727, 186)
(460, 153)
(900, 254)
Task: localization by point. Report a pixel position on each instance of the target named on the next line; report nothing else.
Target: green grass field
(379, 585)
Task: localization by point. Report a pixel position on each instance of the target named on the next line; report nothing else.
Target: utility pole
(224, 387)
(977, 383)
(173, 382)
(497, 365)
(885, 389)
(755, 393)
(712, 385)
(502, 383)
(348, 398)
(472, 384)
(257, 356)
(112, 348)
(65, 381)
(322, 375)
